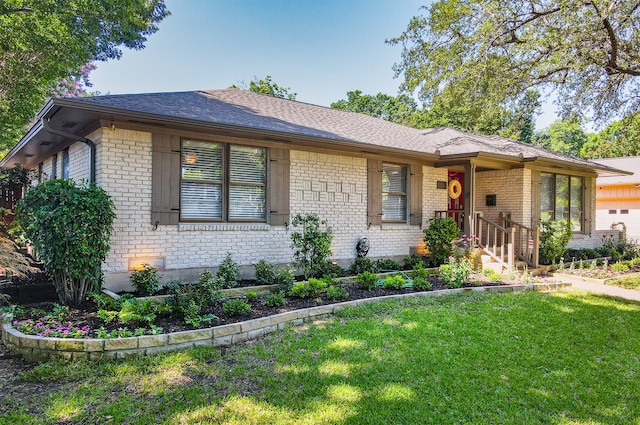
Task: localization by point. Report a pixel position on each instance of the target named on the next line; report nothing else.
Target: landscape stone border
(36, 349)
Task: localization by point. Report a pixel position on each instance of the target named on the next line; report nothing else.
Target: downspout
(88, 142)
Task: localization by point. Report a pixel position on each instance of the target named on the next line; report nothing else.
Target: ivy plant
(69, 226)
(311, 245)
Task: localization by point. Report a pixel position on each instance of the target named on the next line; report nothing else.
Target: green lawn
(517, 358)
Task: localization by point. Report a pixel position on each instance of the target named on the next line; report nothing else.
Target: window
(613, 211)
(394, 193)
(561, 199)
(65, 164)
(624, 211)
(222, 182)
(54, 166)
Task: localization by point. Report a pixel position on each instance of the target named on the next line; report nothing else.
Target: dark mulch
(86, 314)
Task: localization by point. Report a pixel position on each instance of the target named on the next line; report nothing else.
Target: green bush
(421, 284)
(251, 296)
(366, 280)
(492, 275)
(331, 269)
(228, 273)
(361, 265)
(419, 271)
(620, 268)
(386, 264)
(188, 300)
(285, 279)
(275, 300)
(312, 246)
(265, 273)
(69, 226)
(394, 282)
(235, 308)
(337, 293)
(410, 261)
(312, 288)
(146, 280)
(456, 273)
(439, 237)
(554, 238)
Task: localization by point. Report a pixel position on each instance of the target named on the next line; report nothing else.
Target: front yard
(563, 358)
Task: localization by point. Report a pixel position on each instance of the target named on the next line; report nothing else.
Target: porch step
(488, 262)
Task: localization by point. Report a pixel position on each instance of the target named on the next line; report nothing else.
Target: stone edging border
(34, 348)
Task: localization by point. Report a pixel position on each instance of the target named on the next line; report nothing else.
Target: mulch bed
(85, 315)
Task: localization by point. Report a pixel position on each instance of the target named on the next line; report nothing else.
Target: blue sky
(321, 49)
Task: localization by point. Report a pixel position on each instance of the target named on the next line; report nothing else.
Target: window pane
(562, 197)
(246, 202)
(394, 178)
(247, 164)
(201, 161)
(200, 201)
(394, 207)
(576, 203)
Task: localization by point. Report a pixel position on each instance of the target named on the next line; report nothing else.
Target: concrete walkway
(614, 291)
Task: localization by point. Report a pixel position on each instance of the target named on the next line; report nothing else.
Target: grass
(629, 282)
(526, 358)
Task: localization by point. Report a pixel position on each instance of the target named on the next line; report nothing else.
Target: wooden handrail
(526, 240)
(496, 240)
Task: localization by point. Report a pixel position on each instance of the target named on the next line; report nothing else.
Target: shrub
(265, 273)
(419, 271)
(492, 275)
(439, 237)
(69, 226)
(386, 264)
(456, 272)
(235, 308)
(620, 268)
(332, 269)
(312, 246)
(285, 279)
(394, 282)
(146, 280)
(554, 238)
(361, 265)
(275, 300)
(228, 273)
(421, 284)
(189, 300)
(337, 293)
(366, 280)
(309, 289)
(251, 296)
(410, 261)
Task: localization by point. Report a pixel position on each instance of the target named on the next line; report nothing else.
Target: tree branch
(15, 10)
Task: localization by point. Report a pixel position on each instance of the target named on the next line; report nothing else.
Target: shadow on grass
(470, 358)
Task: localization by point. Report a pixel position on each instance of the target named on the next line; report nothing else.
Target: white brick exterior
(513, 194)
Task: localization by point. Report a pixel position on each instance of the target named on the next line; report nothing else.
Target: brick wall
(513, 194)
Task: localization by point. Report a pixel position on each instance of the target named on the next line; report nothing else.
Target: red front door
(456, 197)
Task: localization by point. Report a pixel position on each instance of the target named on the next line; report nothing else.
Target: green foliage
(69, 226)
(401, 109)
(188, 300)
(312, 246)
(366, 280)
(419, 271)
(386, 264)
(228, 273)
(331, 269)
(410, 261)
(235, 308)
(488, 53)
(394, 282)
(620, 138)
(492, 275)
(564, 135)
(146, 280)
(312, 288)
(268, 87)
(439, 237)
(456, 272)
(421, 284)
(361, 265)
(337, 293)
(620, 268)
(275, 300)
(285, 279)
(554, 238)
(137, 311)
(265, 273)
(103, 301)
(45, 43)
(251, 296)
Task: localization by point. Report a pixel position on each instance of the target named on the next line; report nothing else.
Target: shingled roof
(245, 111)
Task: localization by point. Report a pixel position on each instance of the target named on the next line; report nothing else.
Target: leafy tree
(620, 138)
(401, 109)
(69, 226)
(268, 87)
(495, 50)
(44, 42)
(565, 135)
(312, 246)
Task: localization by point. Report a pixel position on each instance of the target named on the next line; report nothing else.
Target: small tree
(312, 246)
(554, 238)
(439, 237)
(69, 225)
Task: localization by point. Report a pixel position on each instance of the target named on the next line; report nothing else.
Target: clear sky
(320, 49)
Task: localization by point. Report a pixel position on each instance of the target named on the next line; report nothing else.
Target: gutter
(88, 142)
